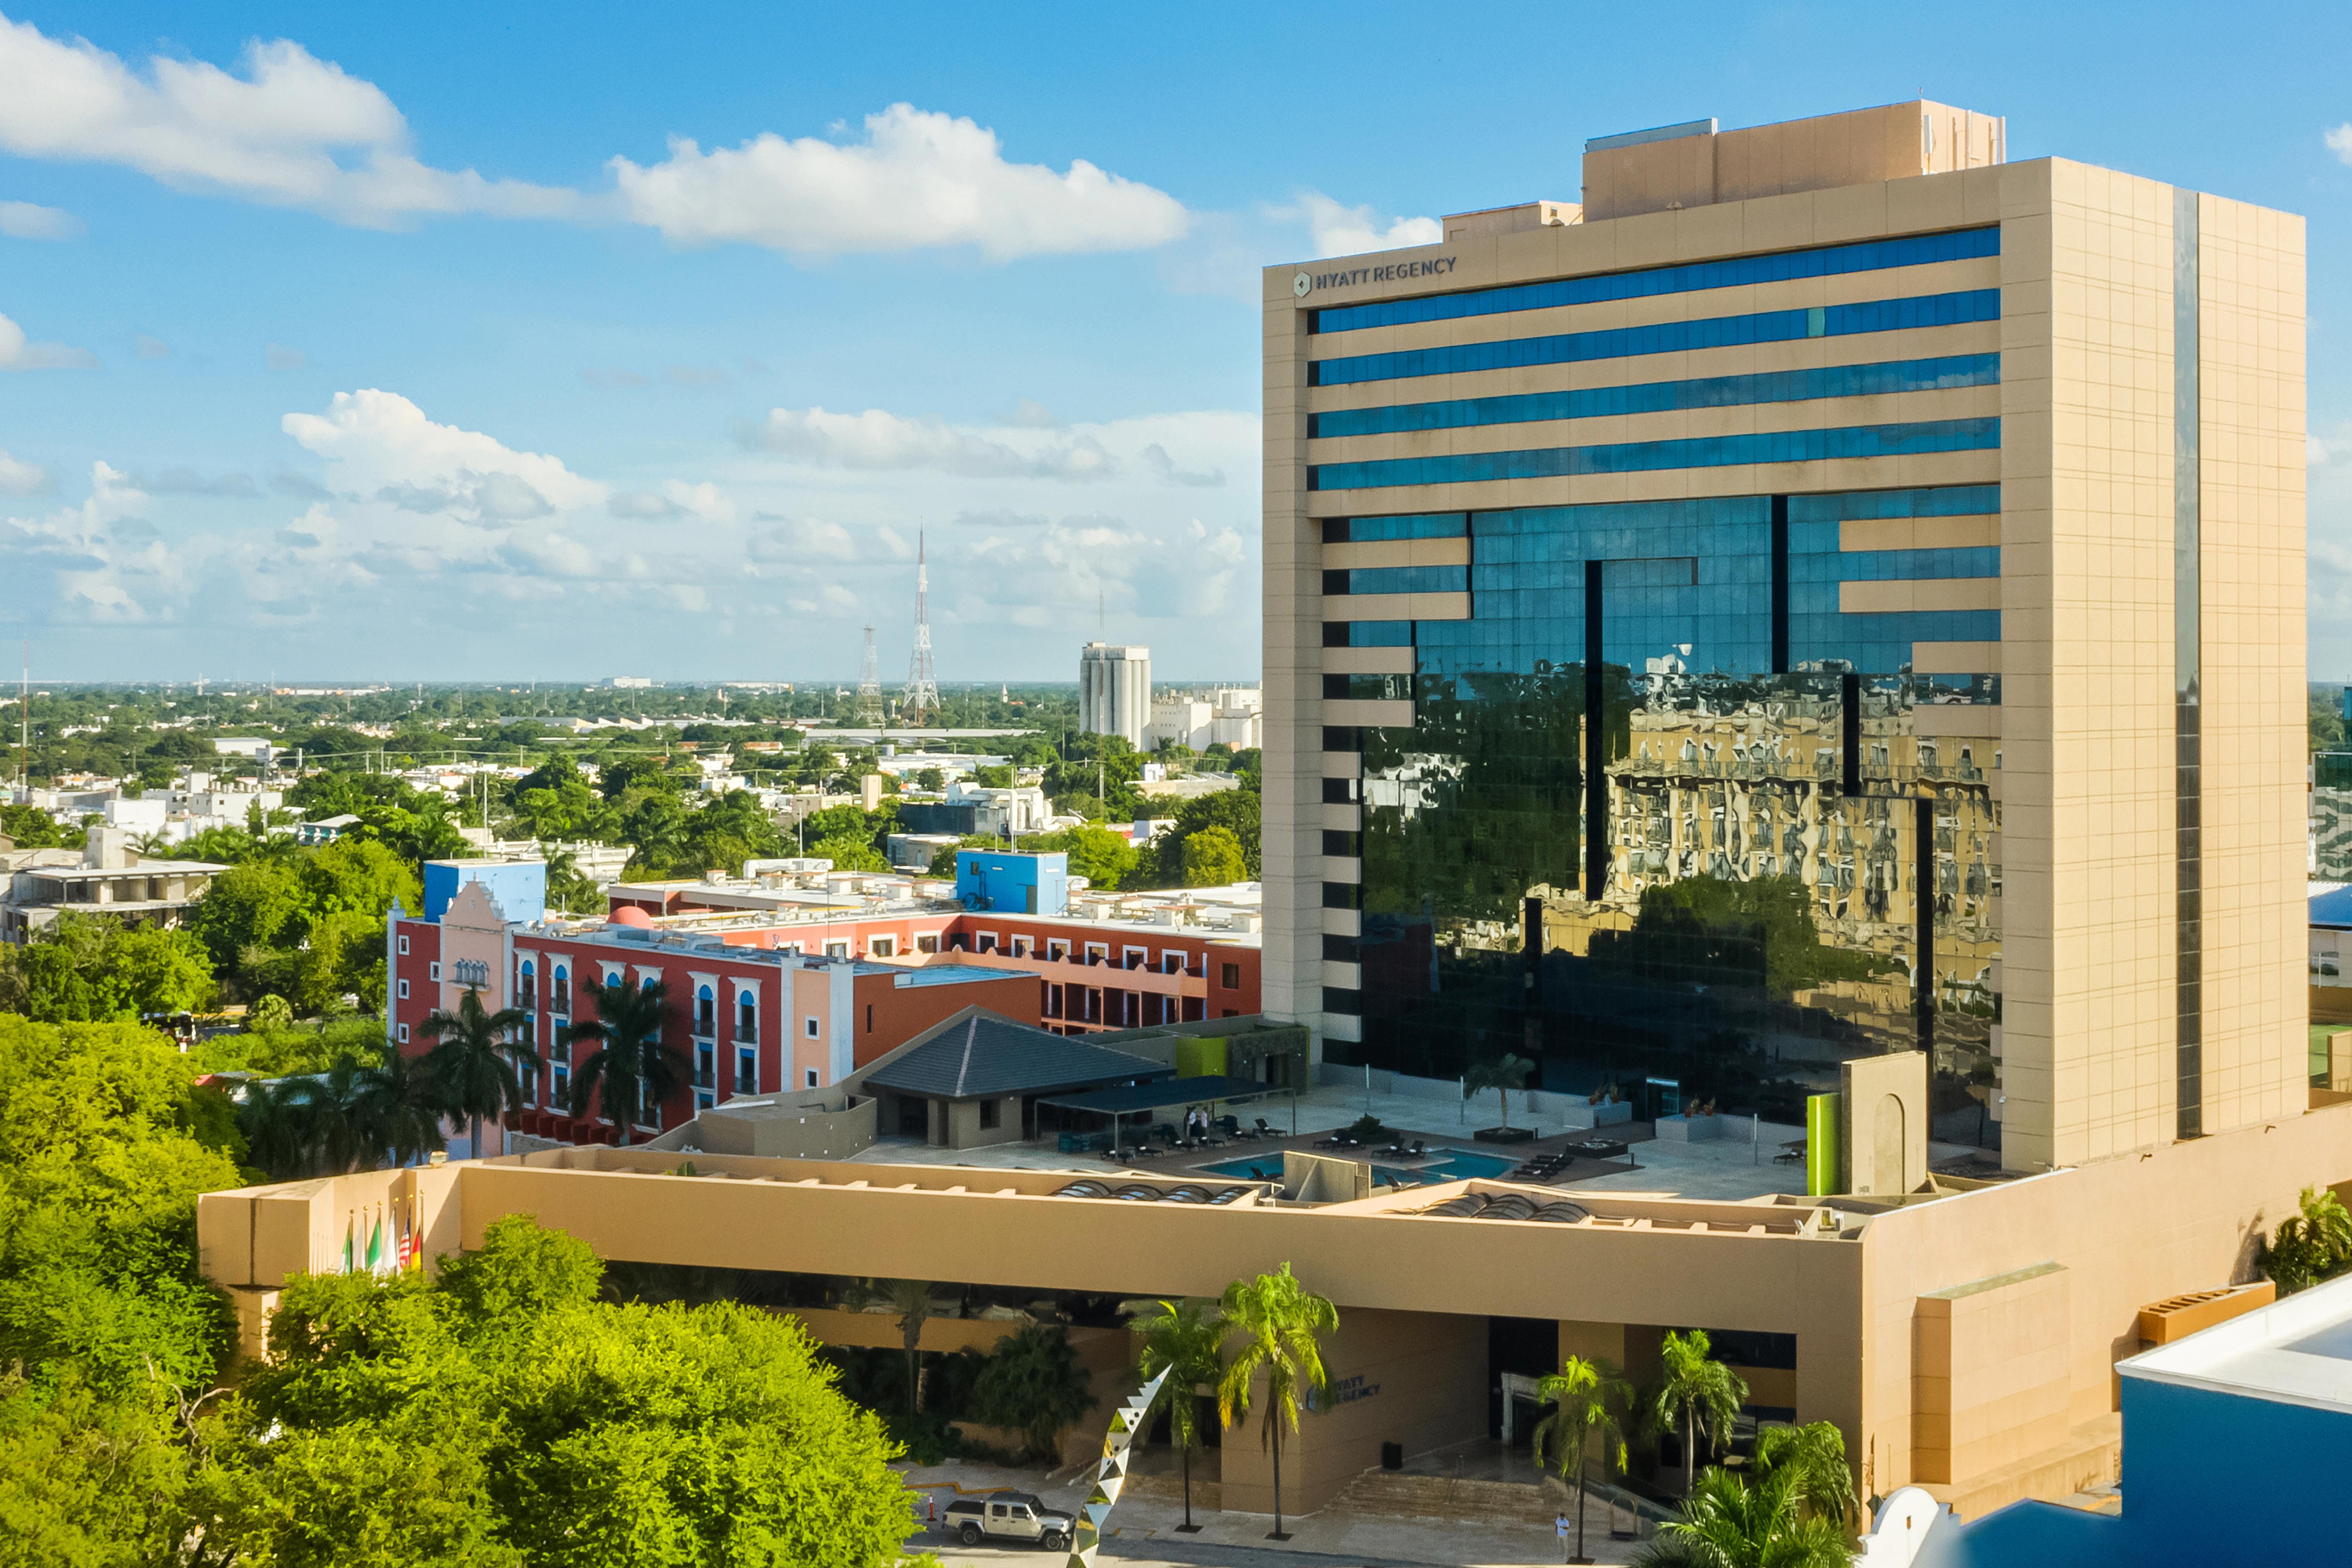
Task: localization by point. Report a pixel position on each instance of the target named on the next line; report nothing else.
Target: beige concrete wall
(1989, 1374)
(789, 1131)
(1883, 1123)
(2131, 1231)
(1291, 842)
(1417, 1379)
(2252, 457)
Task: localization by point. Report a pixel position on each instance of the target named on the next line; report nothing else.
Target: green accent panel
(1201, 1055)
(1822, 1144)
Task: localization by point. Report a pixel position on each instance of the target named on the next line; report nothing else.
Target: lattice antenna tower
(869, 686)
(921, 703)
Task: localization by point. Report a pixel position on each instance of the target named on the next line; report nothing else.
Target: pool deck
(1713, 1171)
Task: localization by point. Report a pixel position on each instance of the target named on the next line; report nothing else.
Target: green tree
(1589, 1402)
(1186, 1339)
(1726, 1523)
(1812, 1457)
(1033, 1384)
(30, 828)
(632, 1070)
(506, 1415)
(1213, 858)
(1502, 1074)
(1694, 1393)
(849, 854)
(911, 1300)
(1238, 811)
(90, 968)
(1276, 1325)
(2311, 1244)
(475, 1061)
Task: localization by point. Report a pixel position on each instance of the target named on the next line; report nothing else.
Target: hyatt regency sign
(1305, 283)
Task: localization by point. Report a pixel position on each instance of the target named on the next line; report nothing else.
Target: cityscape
(687, 877)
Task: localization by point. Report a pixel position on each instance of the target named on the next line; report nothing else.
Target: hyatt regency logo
(1307, 283)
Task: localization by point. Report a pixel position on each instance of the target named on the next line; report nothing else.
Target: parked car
(1013, 1516)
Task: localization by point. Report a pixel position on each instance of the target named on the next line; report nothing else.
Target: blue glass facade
(1662, 821)
(1635, 456)
(1665, 397)
(1870, 256)
(1663, 337)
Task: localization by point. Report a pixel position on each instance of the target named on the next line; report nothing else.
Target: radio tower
(921, 703)
(869, 687)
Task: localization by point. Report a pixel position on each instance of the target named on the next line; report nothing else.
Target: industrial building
(1114, 690)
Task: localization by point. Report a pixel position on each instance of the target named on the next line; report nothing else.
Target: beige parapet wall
(2126, 1233)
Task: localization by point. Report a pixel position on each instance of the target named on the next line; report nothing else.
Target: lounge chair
(1420, 1149)
(1262, 1130)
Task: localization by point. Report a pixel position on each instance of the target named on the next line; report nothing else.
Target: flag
(375, 1245)
(417, 1230)
(350, 1220)
(406, 1243)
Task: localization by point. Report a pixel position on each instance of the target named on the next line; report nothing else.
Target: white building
(1114, 690)
(1230, 715)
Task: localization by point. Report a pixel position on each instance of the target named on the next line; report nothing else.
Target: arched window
(560, 1001)
(706, 1012)
(747, 1015)
(529, 986)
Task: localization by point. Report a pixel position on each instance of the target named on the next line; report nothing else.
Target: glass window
(1827, 261)
(1655, 397)
(1395, 578)
(1367, 530)
(1368, 688)
(1635, 456)
(1662, 337)
(1367, 633)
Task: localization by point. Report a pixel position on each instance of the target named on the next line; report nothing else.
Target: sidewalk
(1143, 1526)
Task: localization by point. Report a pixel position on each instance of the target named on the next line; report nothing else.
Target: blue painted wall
(517, 887)
(1013, 884)
(2209, 1478)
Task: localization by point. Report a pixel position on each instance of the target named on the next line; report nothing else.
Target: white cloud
(803, 539)
(147, 347)
(1352, 231)
(1156, 458)
(878, 440)
(2339, 142)
(290, 129)
(674, 500)
(16, 353)
(24, 220)
(18, 478)
(277, 356)
(379, 443)
(919, 180)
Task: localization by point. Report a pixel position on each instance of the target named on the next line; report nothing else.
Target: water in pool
(1443, 1166)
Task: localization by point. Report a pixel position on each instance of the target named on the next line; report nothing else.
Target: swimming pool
(1443, 1166)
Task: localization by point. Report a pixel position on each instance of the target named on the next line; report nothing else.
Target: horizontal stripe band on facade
(1663, 337)
(1635, 456)
(1663, 396)
(1688, 277)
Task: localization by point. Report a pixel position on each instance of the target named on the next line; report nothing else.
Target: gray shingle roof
(980, 1054)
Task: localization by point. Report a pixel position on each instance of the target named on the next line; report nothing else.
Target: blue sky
(341, 347)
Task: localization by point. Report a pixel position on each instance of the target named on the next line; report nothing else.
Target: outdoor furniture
(1262, 1130)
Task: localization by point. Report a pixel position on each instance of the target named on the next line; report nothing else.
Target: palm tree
(1590, 1401)
(634, 1065)
(1812, 1457)
(1186, 1339)
(404, 1106)
(1725, 1524)
(1278, 1323)
(1699, 1395)
(473, 1063)
(1502, 1075)
(273, 1116)
(913, 1297)
(339, 1111)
